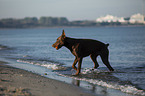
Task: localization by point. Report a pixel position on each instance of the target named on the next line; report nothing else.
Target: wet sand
(17, 82)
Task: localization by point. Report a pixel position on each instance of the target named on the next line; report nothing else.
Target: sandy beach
(17, 82)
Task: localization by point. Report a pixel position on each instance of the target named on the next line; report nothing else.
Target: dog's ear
(63, 34)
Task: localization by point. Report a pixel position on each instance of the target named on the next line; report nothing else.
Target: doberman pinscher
(84, 47)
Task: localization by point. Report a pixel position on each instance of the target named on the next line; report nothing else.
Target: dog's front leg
(74, 64)
(79, 66)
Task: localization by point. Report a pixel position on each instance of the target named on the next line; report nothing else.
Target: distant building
(110, 18)
(137, 18)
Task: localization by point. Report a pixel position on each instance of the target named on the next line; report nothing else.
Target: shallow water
(32, 50)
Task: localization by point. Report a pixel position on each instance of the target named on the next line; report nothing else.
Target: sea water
(31, 49)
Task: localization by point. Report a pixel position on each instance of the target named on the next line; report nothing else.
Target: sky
(71, 9)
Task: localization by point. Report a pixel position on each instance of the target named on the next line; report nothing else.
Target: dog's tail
(107, 44)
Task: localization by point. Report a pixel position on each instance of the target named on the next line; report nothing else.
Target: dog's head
(60, 41)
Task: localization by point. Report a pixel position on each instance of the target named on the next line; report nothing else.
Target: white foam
(30, 62)
(92, 70)
(124, 88)
(44, 64)
(54, 66)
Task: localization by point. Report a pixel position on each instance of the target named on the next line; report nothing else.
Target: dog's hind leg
(74, 64)
(104, 56)
(94, 59)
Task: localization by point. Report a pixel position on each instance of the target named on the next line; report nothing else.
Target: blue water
(31, 49)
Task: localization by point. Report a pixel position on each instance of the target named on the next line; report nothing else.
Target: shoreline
(14, 81)
(43, 27)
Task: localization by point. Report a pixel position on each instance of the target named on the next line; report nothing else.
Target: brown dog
(84, 47)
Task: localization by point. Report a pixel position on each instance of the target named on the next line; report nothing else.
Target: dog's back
(88, 46)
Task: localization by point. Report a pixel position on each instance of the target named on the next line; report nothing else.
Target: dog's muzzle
(55, 47)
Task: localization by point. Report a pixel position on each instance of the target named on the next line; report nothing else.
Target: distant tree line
(30, 22)
(33, 22)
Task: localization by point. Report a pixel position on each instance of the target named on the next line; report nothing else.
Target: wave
(105, 79)
(94, 71)
(3, 47)
(49, 65)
